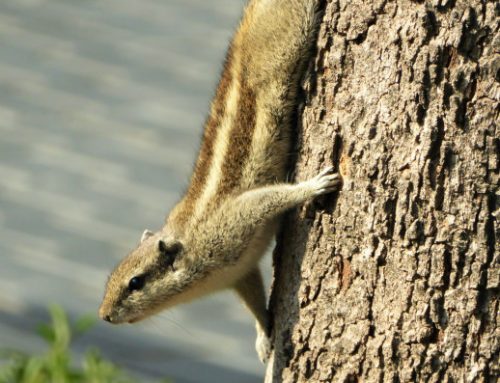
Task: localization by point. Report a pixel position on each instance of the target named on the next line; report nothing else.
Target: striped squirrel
(214, 237)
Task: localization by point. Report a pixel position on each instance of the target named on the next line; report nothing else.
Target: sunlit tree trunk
(396, 278)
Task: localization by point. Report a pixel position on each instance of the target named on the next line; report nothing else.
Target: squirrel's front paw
(326, 182)
(263, 346)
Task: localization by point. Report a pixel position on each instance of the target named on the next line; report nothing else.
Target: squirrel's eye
(136, 283)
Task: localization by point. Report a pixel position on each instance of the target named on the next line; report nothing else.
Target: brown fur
(241, 140)
(185, 208)
(229, 214)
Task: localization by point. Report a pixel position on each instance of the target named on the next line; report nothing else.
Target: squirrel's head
(151, 278)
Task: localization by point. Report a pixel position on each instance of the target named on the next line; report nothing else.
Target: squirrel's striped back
(247, 137)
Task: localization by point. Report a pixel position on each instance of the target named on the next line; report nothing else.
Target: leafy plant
(55, 365)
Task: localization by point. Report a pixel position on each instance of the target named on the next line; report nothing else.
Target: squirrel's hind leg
(251, 290)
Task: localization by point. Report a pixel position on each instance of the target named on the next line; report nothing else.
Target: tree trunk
(396, 278)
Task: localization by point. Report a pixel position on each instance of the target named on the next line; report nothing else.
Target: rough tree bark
(396, 279)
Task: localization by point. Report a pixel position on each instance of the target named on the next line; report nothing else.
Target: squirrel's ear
(169, 252)
(169, 248)
(147, 233)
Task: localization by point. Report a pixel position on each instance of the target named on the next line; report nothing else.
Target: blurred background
(101, 109)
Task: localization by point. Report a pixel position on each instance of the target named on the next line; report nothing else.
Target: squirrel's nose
(104, 314)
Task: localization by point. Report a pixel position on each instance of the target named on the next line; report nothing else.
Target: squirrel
(215, 236)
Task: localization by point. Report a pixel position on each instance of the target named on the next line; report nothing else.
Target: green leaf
(46, 332)
(84, 323)
(62, 334)
(34, 371)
